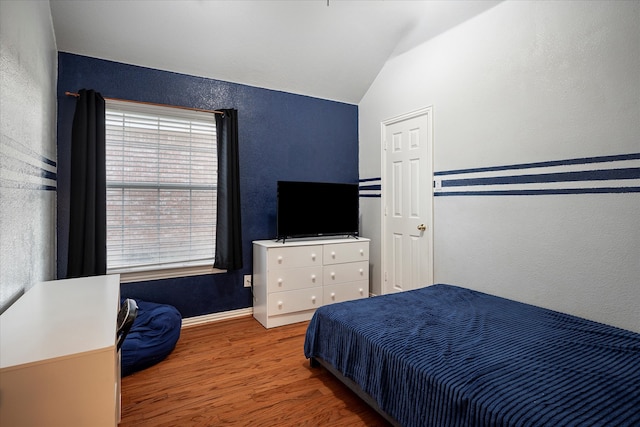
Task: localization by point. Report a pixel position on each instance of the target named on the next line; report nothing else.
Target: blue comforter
(449, 356)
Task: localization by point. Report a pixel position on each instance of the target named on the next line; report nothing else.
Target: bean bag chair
(152, 337)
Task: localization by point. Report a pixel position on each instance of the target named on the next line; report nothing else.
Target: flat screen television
(310, 209)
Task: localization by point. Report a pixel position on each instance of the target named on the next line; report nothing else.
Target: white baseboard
(215, 317)
(224, 315)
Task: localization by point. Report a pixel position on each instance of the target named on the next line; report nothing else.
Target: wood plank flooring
(237, 373)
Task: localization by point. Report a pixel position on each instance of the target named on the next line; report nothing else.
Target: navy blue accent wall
(283, 136)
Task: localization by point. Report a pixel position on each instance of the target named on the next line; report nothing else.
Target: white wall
(526, 82)
(28, 63)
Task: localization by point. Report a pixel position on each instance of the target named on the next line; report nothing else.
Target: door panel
(407, 203)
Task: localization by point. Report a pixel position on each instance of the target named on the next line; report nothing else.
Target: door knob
(422, 227)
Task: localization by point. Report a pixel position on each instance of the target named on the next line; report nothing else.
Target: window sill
(155, 273)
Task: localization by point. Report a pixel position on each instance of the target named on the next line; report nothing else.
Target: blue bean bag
(152, 337)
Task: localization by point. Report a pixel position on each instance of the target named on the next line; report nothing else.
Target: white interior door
(407, 196)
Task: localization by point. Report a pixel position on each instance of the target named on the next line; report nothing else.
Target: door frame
(428, 112)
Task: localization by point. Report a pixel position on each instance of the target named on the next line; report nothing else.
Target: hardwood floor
(237, 373)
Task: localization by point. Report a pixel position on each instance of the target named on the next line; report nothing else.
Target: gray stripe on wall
(590, 175)
(613, 174)
(23, 168)
(370, 187)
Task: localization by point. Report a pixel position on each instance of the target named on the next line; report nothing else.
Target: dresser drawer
(291, 257)
(286, 279)
(346, 252)
(350, 272)
(346, 292)
(291, 301)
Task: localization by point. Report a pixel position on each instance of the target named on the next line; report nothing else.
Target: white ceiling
(330, 51)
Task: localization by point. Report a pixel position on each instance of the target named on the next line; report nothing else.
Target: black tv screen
(307, 209)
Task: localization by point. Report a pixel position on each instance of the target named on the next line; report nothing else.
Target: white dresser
(58, 360)
(292, 279)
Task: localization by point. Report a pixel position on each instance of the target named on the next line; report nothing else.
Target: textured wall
(282, 137)
(528, 82)
(28, 62)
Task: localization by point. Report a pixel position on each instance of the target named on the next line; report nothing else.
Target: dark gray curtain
(228, 254)
(87, 255)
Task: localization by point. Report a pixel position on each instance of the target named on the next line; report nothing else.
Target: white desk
(58, 360)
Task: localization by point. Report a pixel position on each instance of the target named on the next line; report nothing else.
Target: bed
(449, 356)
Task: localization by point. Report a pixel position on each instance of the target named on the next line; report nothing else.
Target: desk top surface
(60, 318)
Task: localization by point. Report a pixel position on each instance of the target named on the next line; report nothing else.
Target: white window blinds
(161, 186)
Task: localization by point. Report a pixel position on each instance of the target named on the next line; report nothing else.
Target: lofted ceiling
(327, 49)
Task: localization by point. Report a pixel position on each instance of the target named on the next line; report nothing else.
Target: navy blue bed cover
(449, 356)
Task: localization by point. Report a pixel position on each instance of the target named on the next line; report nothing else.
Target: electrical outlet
(247, 281)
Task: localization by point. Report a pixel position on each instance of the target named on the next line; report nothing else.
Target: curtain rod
(75, 95)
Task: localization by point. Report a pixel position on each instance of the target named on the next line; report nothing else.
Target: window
(161, 187)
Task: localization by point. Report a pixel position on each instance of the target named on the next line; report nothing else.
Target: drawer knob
(361, 291)
(333, 295)
(279, 304)
(361, 271)
(313, 257)
(333, 254)
(333, 275)
(280, 282)
(280, 259)
(361, 251)
(313, 299)
(313, 277)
